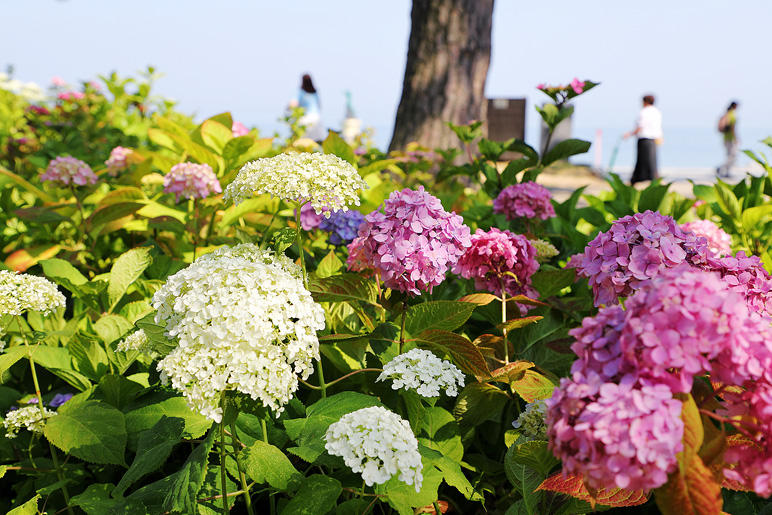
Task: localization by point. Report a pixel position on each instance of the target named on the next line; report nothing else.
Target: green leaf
(549, 282)
(10, 357)
(127, 269)
(524, 148)
(63, 274)
(343, 288)
(534, 454)
(534, 386)
(111, 212)
(329, 266)
(215, 135)
(144, 413)
(652, 196)
(155, 335)
(440, 432)
(236, 147)
(111, 328)
(464, 353)
(283, 239)
(526, 480)
(118, 390)
(154, 447)
(95, 500)
(28, 508)
(92, 431)
(477, 402)
(564, 150)
(728, 201)
(451, 472)
(42, 195)
(752, 217)
(72, 377)
(404, 498)
(89, 357)
(198, 152)
(316, 495)
(265, 463)
(183, 491)
(439, 314)
(334, 144)
(518, 508)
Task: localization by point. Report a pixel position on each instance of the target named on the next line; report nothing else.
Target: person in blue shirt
(308, 99)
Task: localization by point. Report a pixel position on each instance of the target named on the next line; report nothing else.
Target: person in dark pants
(648, 129)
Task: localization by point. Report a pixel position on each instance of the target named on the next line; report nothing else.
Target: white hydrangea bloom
(424, 372)
(378, 444)
(544, 249)
(26, 417)
(137, 341)
(531, 421)
(244, 321)
(24, 292)
(327, 181)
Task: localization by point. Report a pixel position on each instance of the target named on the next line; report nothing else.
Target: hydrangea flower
(719, 242)
(239, 129)
(623, 435)
(524, 200)
(191, 180)
(118, 160)
(309, 218)
(137, 341)
(24, 292)
(358, 259)
(635, 249)
(422, 371)
(327, 181)
(378, 444)
(242, 320)
(495, 253)
(65, 170)
(27, 417)
(59, 399)
(544, 250)
(597, 344)
(413, 242)
(747, 276)
(532, 421)
(342, 226)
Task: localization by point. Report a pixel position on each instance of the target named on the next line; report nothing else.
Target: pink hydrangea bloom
(357, 260)
(635, 249)
(623, 434)
(309, 220)
(494, 253)
(57, 81)
(117, 160)
(413, 242)
(63, 171)
(71, 95)
(524, 200)
(239, 129)
(719, 242)
(747, 276)
(577, 85)
(191, 180)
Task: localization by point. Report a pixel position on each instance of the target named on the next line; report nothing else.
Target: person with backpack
(726, 126)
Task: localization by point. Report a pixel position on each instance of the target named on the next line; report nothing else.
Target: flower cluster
(524, 200)
(719, 242)
(576, 85)
(27, 417)
(59, 399)
(747, 276)
(118, 160)
(191, 180)
(636, 248)
(615, 421)
(239, 129)
(242, 320)
(327, 181)
(342, 226)
(378, 444)
(309, 218)
(24, 292)
(544, 250)
(422, 371)
(137, 341)
(493, 256)
(413, 242)
(531, 421)
(63, 171)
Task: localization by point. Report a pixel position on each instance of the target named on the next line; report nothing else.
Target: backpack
(723, 124)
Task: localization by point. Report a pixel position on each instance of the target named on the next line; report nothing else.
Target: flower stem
(209, 227)
(299, 240)
(242, 477)
(195, 227)
(361, 497)
(322, 384)
(54, 456)
(504, 321)
(223, 472)
(437, 509)
(402, 327)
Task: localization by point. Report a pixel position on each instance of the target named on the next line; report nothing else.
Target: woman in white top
(648, 129)
(308, 99)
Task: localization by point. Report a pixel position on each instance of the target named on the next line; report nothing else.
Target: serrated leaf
(144, 413)
(336, 145)
(414, 407)
(111, 328)
(155, 334)
(118, 390)
(343, 288)
(28, 508)
(694, 434)
(95, 499)
(441, 433)
(89, 357)
(92, 431)
(126, 269)
(549, 282)
(464, 353)
(481, 299)
(183, 491)
(438, 314)
(329, 265)
(10, 357)
(452, 474)
(63, 274)
(154, 447)
(404, 498)
(316, 495)
(752, 217)
(266, 463)
(526, 480)
(534, 386)
(691, 491)
(477, 402)
(517, 323)
(534, 454)
(215, 134)
(283, 239)
(574, 486)
(510, 373)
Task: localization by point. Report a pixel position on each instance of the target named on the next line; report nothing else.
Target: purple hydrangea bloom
(413, 242)
(342, 226)
(59, 399)
(191, 180)
(309, 219)
(524, 200)
(635, 249)
(747, 276)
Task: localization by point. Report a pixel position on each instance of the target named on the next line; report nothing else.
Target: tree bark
(447, 63)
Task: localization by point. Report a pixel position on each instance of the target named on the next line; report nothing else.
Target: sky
(247, 56)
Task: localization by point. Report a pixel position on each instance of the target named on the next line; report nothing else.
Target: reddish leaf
(463, 352)
(517, 323)
(522, 299)
(510, 373)
(690, 492)
(430, 508)
(481, 299)
(694, 434)
(534, 386)
(22, 259)
(561, 345)
(488, 340)
(574, 486)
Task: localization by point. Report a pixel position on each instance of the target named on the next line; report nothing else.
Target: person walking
(308, 99)
(726, 125)
(648, 129)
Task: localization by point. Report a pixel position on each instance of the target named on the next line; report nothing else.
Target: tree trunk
(447, 63)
